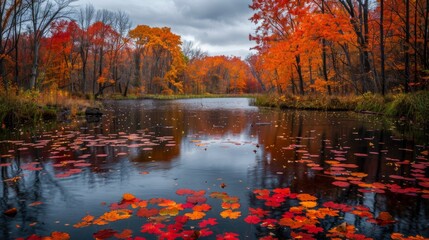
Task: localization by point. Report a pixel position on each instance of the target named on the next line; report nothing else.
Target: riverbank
(34, 106)
(412, 106)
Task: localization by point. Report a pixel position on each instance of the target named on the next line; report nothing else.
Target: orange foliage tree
(339, 46)
(218, 74)
(158, 51)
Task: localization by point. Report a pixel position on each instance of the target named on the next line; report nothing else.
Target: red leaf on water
(313, 229)
(35, 204)
(360, 154)
(269, 223)
(152, 228)
(34, 237)
(60, 236)
(145, 212)
(227, 236)
(205, 232)
(105, 233)
(11, 212)
(208, 222)
(341, 184)
(182, 219)
(252, 219)
(269, 237)
(196, 199)
(258, 212)
(184, 191)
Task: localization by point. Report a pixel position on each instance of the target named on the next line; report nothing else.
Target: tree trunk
(426, 39)
(299, 71)
(35, 64)
(3, 75)
(324, 67)
(382, 56)
(407, 46)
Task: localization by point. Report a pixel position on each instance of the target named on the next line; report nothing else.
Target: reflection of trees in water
(277, 168)
(21, 188)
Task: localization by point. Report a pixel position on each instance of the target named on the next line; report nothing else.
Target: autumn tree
(42, 14)
(60, 55)
(11, 12)
(159, 53)
(85, 18)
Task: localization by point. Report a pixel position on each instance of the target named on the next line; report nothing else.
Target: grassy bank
(33, 106)
(413, 106)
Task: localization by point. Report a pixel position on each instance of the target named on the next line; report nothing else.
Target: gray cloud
(217, 26)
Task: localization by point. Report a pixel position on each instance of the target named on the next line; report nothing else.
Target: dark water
(203, 144)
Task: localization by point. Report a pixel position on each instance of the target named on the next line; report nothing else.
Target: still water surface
(152, 148)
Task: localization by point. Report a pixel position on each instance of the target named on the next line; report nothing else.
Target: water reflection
(151, 148)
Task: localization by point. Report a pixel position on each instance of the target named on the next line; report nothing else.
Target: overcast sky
(220, 27)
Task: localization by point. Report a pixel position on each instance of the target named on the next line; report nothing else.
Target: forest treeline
(341, 46)
(308, 46)
(49, 45)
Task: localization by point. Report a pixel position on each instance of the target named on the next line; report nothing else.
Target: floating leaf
(227, 236)
(341, 184)
(60, 236)
(145, 212)
(208, 222)
(252, 219)
(259, 212)
(308, 204)
(195, 215)
(306, 197)
(105, 233)
(230, 214)
(128, 197)
(385, 218)
(35, 204)
(184, 191)
(127, 233)
(227, 205)
(11, 212)
(202, 208)
(152, 228)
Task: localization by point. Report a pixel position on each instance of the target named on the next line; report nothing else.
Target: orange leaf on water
(195, 215)
(230, 214)
(308, 204)
(227, 205)
(202, 208)
(306, 197)
(35, 204)
(60, 236)
(128, 197)
(385, 218)
(127, 233)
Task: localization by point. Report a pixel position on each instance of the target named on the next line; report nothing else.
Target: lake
(303, 173)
